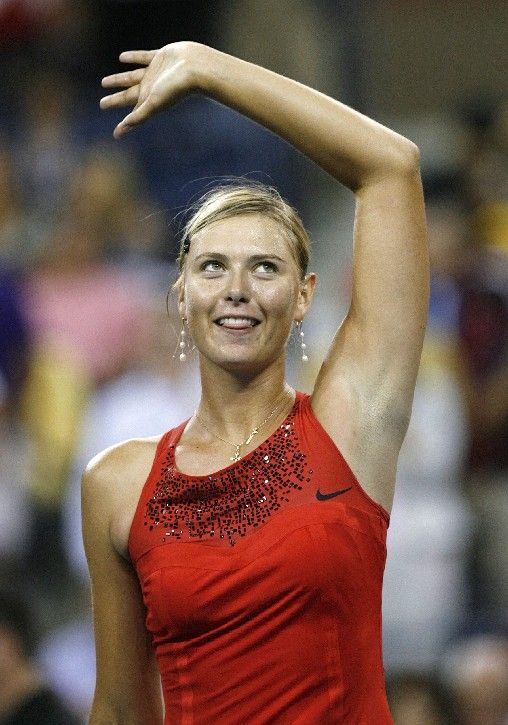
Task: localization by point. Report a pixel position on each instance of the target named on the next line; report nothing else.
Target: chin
(242, 360)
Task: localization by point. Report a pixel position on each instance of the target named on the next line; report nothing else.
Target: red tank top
(262, 584)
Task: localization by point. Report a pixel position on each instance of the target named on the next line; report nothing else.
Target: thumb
(138, 115)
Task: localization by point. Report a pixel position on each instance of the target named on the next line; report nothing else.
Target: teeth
(236, 321)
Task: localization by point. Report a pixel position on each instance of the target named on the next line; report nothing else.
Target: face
(241, 291)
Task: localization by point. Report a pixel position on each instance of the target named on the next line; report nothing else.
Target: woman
(243, 537)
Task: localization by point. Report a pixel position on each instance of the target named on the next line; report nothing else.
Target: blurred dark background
(88, 238)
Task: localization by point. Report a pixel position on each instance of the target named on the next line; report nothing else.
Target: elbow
(413, 153)
(405, 157)
(400, 159)
(114, 711)
(123, 717)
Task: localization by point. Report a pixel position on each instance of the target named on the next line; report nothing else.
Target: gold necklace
(236, 457)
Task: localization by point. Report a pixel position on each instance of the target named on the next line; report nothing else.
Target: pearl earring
(302, 343)
(182, 343)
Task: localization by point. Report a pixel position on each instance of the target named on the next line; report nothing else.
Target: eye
(267, 267)
(211, 265)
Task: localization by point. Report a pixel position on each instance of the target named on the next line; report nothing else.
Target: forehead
(243, 235)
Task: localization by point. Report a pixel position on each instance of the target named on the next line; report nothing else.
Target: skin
(364, 390)
(258, 279)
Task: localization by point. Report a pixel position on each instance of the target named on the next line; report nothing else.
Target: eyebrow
(253, 258)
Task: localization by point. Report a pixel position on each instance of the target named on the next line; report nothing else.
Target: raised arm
(127, 684)
(364, 391)
(351, 147)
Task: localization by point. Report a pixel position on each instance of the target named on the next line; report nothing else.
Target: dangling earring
(302, 344)
(182, 343)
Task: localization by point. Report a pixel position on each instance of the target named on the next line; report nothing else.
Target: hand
(168, 75)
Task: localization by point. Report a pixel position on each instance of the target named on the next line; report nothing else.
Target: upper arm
(375, 355)
(364, 391)
(128, 684)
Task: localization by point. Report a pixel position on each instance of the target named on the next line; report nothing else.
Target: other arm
(128, 686)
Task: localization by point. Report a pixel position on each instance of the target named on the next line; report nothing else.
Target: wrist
(200, 64)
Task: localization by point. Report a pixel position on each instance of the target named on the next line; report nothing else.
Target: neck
(236, 404)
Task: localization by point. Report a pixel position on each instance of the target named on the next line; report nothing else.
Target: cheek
(198, 298)
(277, 301)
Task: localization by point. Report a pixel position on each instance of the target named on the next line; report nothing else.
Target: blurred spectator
(418, 699)
(154, 394)
(66, 658)
(15, 519)
(425, 592)
(484, 339)
(45, 32)
(25, 699)
(19, 236)
(14, 447)
(14, 348)
(264, 32)
(484, 335)
(486, 163)
(86, 319)
(476, 672)
(21, 19)
(47, 150)
(99, 213)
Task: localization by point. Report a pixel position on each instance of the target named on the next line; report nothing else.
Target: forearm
(353, 148)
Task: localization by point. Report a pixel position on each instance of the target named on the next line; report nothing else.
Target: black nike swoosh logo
(325, 496)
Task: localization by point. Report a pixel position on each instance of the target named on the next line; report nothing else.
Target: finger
(142, 57)
(128, 97)
(124, 80)
(138, 115)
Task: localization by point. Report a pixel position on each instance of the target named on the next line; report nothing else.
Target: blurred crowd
(88, 240)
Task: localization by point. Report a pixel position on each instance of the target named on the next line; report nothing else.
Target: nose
(236, 296)
(237, 290)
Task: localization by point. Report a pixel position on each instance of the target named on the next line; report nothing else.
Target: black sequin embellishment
(229, 503)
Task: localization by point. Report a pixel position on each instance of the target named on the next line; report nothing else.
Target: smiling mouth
(237, 323)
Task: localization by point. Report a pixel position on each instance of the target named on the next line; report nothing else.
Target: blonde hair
(247, 197)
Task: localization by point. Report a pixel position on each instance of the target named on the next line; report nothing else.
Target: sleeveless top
(262, 584)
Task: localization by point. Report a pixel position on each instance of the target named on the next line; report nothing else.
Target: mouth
(236, 323)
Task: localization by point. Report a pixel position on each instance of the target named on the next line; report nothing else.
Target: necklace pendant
(254, 432)
(237, 456)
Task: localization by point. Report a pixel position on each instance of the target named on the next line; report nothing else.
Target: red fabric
(283, 625)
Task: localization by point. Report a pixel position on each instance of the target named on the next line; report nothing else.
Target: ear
(180, 290)
(307, 287)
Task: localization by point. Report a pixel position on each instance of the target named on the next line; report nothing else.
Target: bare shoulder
(116, 461)
(112, 483)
